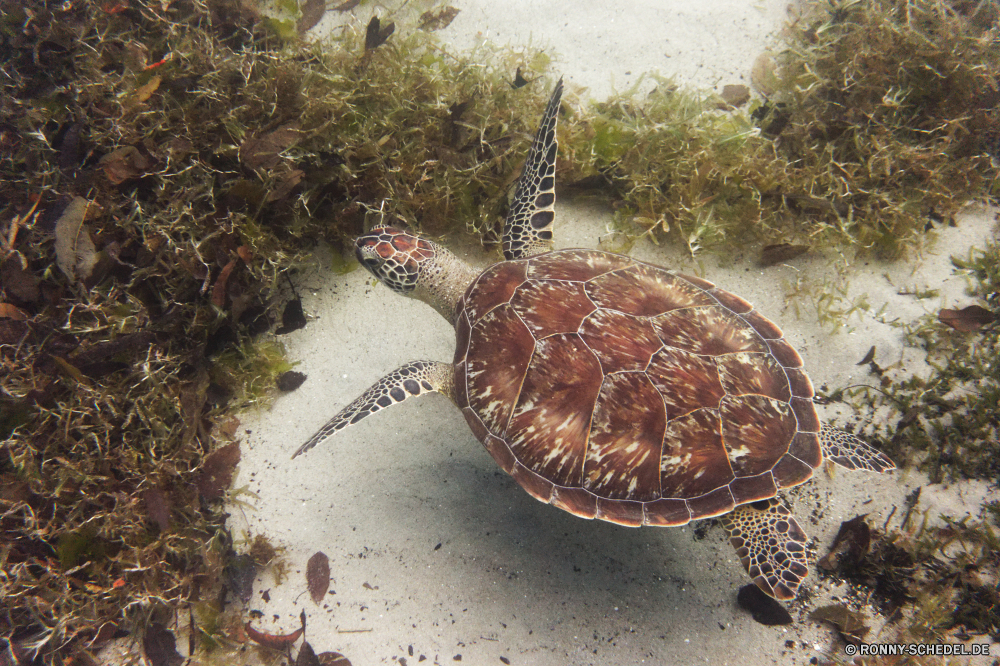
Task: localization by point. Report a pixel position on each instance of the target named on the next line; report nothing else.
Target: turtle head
(396, 258)
(414, 266)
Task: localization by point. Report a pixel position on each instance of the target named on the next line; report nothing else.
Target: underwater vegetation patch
(877, 119)
(163, 164)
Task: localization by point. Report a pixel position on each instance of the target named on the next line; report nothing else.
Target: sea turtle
(612, 388)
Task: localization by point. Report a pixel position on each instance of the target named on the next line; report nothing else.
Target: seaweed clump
(161, 166)
(877, 118)
(893, 114)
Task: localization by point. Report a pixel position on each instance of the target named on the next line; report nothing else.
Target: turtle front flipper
(527, 230)
(413, 379)
(851, 452)
(771, 545)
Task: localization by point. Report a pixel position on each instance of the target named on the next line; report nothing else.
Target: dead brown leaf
(333, 659)
(764, 74)
(124, 164)
(312, 12)
(240, 573)
(8, 311)
(279, 642)
(144, 92)
(318, 576)
(851, 625)
(734, 96)
(869, 357)
(160, 646)
(306, 656)
(158, 507)
(265, 151)
(17, 280)
(971, 318)
(293, 317)
(376, 33)
(850, 545)
(438, 19)
(217, 471)
(286, 184)
(780, 252)
(219, 289)
(75, 252)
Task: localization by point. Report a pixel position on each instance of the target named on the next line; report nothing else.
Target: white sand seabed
(433, 547)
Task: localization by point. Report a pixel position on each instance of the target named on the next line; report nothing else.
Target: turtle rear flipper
(851, 452)
(527, 231)
(413, 379)
(771, 545)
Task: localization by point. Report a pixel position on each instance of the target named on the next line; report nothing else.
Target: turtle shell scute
(621, 512)
(495, 286)
(576, 265)
(578, 501)
(549, 307)
(712, 504)
(642, 290)
(666, 513)
(709, 330)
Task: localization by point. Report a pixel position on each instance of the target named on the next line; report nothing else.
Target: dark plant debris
(291, 380)
(160, 646)
(293, 317)
(280, 642)
(438, 19)
(377, 34)
(849, 546)
(239, 574)
(333, 659)
(780, 253)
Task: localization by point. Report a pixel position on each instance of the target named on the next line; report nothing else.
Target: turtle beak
(365, 251)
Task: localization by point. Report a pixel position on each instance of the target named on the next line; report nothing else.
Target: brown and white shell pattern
(617, 390)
